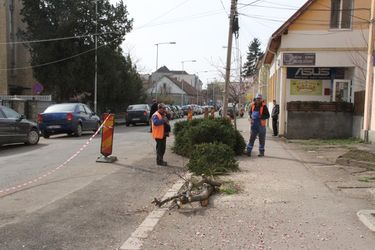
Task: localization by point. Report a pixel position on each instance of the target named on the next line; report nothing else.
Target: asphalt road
(85, 205)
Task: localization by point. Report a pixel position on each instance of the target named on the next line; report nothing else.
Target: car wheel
(78, 131)
(32, 137)
(45, 135)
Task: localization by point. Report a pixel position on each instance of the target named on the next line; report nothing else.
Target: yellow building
(13, 56)
(319, 54)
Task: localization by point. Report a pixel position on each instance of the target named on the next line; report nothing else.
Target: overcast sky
(200, 30)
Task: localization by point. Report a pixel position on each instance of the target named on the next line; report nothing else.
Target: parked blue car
(69, 118)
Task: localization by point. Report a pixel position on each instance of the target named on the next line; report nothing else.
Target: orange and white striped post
(107, 139)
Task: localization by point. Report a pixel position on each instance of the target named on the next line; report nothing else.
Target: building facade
(319, 54)
(16, 76)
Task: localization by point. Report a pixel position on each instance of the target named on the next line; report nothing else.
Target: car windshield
(138, 106)
(68, 107)
(10, 113)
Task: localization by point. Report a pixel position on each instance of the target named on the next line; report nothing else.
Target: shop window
(341, 14)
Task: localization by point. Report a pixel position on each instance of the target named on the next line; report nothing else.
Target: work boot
(261, 154)
(162, 163)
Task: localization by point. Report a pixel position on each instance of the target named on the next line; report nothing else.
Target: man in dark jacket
(275, 117)
(258, 116)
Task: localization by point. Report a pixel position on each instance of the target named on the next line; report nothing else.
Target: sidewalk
(283, 205)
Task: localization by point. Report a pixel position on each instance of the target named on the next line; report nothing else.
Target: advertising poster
(306, 87)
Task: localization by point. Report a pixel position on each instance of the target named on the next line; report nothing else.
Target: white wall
(171, 87)
(325, 39)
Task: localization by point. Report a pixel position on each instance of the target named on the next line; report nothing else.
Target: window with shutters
(341, 14)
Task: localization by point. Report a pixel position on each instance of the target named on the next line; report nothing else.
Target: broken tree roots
(192, 192)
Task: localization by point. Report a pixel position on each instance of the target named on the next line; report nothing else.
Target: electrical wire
(60, 60)
(222, 4)
(58, 38)
(164, 14)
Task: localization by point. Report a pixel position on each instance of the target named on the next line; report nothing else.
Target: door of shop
(342, 91)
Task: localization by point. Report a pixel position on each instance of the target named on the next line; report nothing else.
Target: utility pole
(233, 10)
(369, 76)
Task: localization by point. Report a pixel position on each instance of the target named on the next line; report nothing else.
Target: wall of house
(319, 16)
(22, 78)
(3, 49)
(323, 125)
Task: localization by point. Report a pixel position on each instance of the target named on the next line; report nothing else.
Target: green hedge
(212, 159)
(199, 131)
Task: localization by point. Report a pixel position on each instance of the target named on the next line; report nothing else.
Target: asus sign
(309, 73)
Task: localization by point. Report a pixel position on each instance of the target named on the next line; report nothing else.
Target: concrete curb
(367, 217)
(135, 241)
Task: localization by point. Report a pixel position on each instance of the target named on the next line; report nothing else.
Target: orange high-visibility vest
(263, 122)
(158, 131)
(190, 115)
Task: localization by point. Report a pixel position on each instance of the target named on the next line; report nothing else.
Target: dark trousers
(274, 126)
(160, 149)
(261, 132)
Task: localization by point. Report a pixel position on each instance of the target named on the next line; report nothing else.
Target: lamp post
(96, 59)
(182, 81)
(157, 51)
(156, 68)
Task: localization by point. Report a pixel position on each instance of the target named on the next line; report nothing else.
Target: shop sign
(309, 73)
(306, 87)
(290, 59)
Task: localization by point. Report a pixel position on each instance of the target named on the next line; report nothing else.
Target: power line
(60, 60)
(164, 14)
(58, 38)
(222, 4)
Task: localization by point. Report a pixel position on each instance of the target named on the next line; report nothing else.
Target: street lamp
(182, 81)
(157, 58)
(157, 51)
(96, 59)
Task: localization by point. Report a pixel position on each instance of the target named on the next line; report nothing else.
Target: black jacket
(154, 108)
(275, 111)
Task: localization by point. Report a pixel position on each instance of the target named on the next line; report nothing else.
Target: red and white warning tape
(7, 191)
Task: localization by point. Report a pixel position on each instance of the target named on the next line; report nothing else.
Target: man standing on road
(154, 108)
(275, 117)
(258, 116)
(158, 122)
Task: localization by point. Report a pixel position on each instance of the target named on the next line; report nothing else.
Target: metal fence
(43, 98)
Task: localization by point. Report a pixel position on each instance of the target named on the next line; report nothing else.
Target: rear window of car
(61, 108)
(138, 106)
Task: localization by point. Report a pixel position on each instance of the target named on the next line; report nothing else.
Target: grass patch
(367, 179)
(229, 188)
(336, 142)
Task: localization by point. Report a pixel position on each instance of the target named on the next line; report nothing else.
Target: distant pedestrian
(275, 117)
(206, 112)
(159, 121)
(190, 114)
(154, 108)
(212, 114)
(258, 116)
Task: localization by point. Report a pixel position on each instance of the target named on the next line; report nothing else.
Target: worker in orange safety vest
(159, 121)
(258, 116)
